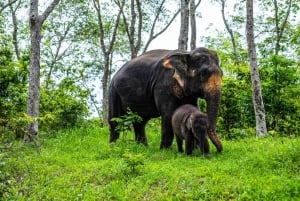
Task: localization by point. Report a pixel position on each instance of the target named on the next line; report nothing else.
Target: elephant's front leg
(189, 144)
(167, 132)
(179, 144)
(204, 146)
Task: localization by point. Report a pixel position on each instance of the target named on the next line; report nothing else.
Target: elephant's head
(197, 74)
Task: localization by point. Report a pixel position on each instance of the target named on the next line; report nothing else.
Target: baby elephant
(190, 124)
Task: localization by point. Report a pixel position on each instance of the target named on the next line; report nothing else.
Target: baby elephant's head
(198, 125)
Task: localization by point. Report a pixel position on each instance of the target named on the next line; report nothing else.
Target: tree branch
(152, 37)
(140, 25)
(15, 30)
(49, 9)
(10, 2)
(112, 42)
(229, 31)
(282, 27)
(100, 23)
(124, 19)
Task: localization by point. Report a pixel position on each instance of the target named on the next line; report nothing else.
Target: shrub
(124, 123)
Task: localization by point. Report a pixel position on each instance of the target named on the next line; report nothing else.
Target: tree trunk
(105, 90)
(15, 30)
(280, 27)
(193, 25)
(34, 72)
(184, 25)
(36, 22)
(261, 129)
(236, 59)
(107, 51)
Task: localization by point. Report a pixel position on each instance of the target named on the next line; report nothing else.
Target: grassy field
(80, 164)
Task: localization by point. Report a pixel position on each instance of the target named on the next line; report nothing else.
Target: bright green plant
(13, 91)
(132, 162)
(124, 123)
(63, 106)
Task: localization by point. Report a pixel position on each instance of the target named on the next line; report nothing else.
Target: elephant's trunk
(213, 97)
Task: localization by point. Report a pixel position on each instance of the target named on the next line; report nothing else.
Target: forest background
(85, 41)
(81, 47)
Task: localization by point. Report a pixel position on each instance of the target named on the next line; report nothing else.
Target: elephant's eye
(203, 59)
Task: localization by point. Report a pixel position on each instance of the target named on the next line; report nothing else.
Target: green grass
(80, 164)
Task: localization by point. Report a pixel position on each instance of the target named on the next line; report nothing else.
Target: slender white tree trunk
(33, 102)
(193, 24)
(184, 26)
(261, 129)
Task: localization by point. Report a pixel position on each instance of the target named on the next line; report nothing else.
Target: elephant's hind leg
(114, 110)
(114, 135)
(140, 133)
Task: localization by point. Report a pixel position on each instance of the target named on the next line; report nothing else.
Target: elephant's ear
(189, 122)
(177, 61)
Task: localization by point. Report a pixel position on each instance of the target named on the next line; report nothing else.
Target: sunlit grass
(80, 164)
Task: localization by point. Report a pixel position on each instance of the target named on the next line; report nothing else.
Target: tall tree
(159, 11)
(279, 60)
(145, 19)
(193, 7)
(261, 129)
(35, 21)
(230, 32)
(15, 29)
(276, 26)
(184, 25)
(188, 15)
(279, 27)
(107, 46)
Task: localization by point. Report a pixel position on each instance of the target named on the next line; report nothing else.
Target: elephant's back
(180, 115)
(138, 73)
(185, 110)
(144, 62)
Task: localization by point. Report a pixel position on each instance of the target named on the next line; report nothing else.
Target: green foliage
(281, 78)
(13, 91)
(132, 161)
(79, 164)
(63, 107)
(280, 86)
(236, 115)
(125, 122)
(236, 111)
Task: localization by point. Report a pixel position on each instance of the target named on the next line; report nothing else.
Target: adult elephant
(157, 82)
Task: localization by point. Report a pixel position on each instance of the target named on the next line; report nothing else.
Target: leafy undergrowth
(80, 164)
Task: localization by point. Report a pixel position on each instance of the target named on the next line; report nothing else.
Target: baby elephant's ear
(189, 122)
(178, 61)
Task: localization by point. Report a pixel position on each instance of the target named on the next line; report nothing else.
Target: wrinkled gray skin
(157, 82)
(190, 125)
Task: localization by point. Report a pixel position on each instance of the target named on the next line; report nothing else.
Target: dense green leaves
(13, 77)
(63, 107)
(281, 94)
(124, 123)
